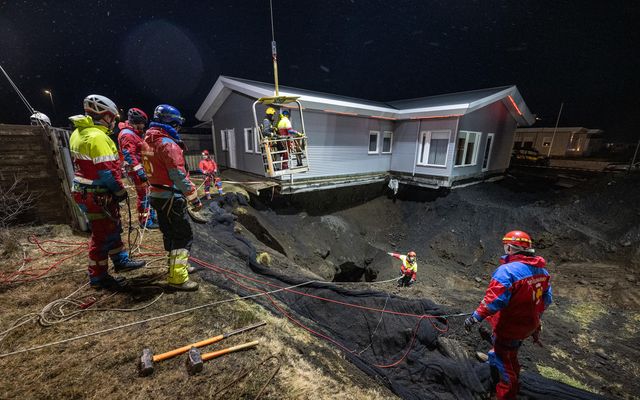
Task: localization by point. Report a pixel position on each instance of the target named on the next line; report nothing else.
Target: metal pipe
(415, 156)
(633, 161)
(555, 129)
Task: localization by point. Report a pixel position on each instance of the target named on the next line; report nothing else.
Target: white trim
(377, 150)
(256, 141)
(384, 135)
(424, 147)
(488, 155)
(476, 147)
(223, 139)
(249, 138)
(111, 157)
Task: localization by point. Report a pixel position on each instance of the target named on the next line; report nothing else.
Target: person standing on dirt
(517, 296)
(408, 268)
(98, 189)
(171, 190)
(130, 140)
(209, 168)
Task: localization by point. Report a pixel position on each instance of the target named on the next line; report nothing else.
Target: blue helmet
(286, 113)
(166, 114)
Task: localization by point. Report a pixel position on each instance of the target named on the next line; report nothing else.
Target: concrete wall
(26, 153)
(495, 119)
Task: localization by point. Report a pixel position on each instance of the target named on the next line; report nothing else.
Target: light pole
(48, 92)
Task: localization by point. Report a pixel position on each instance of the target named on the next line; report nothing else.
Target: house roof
(445, 105)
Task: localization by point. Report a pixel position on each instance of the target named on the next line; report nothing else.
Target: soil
(589, 233)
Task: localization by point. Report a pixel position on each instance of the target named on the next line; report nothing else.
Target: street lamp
(48, 92)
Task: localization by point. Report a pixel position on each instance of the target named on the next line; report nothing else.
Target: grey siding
(236, 113)
(495, 119)
(339, 145)
(404, 160)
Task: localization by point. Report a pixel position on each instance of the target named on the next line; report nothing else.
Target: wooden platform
(252, 183)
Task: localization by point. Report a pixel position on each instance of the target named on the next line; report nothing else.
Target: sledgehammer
(195, 359)
(145, 365)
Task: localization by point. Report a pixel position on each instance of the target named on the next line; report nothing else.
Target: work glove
(536, 336)
(120, 196)
(470, 322)
(412, 281)
(196, 205)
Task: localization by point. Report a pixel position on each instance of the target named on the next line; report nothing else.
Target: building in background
(567, 142)
(437, 141)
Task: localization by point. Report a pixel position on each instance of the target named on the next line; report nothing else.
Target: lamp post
(53, 107)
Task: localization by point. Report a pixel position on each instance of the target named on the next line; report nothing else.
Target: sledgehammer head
(194, 361)
(145, 365)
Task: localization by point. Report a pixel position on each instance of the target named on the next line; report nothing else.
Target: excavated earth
(589, 233)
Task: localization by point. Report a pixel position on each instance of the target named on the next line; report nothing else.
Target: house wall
(406, 141)
(339, 145)
(237, 113)
(496, 119)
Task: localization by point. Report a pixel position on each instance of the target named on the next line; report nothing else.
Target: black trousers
(174, 222)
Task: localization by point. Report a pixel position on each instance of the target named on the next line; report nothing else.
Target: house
(437, 141)
(560, 142)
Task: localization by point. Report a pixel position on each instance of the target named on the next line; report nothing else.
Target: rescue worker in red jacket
(517, 296)
(98, 188)
(285, 130)
(209, 168)
(130, 140)
(171, 191)
(408, 269)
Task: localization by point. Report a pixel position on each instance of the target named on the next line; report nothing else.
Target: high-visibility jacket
(164, 163)
(207, 166)
(285, 128)
(130, 141)
(407, 268)
(95, 156)
(518, 294)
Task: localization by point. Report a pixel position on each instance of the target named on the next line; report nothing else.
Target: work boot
(188, 286)
(108, 282)
(208, 196)
(191, 269)
(122, 262)
(151, 224)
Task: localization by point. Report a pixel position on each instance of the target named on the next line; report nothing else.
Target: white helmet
(39, 118)
(99, 106)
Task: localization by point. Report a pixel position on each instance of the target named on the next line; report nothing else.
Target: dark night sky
(142, 53)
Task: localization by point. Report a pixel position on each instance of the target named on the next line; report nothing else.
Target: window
(433, 148)
(223, 140)
(256, 137)
(467, 148)
(574, 143)
(249, 139)
(373, 142)
(546, 141)
(387, 142)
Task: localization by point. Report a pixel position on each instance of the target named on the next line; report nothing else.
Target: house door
(231, 147)
(487, 152)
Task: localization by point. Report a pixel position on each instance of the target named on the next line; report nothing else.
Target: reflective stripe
(95, 216)
(192, 196)
(99, 262)
(80, 156)
(111, 157)
(137, 167)
(82, 180)
(116, 251)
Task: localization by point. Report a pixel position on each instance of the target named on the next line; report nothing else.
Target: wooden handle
(214, 354)
(184, 349)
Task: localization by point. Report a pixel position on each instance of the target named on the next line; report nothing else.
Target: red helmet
(411, 256)
(137, 116)
(518, 238)
(205, 152)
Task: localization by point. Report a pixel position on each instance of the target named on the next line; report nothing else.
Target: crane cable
(15, 87)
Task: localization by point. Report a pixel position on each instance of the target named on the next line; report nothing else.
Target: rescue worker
(130, 141)
(38, 118)
(171, 190)
(270, 132)
(268, 124)
(518, 294)
(408, 269)
(98, 188)
(209, 168)
(285, 129)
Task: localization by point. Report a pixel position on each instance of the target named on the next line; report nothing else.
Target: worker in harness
(517, 296)
(286, 130)
(408, 269)
(268, 124)
(98, 188)
(38, 118)
(209, 168)
(130, 140)
(171, 191)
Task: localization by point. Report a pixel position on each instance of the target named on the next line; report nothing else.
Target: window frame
(546, 143)
(384, 135)
(249, 138)
(256, 139)
(427, 136)
(223, 140)
(377, 151)
(476, 147)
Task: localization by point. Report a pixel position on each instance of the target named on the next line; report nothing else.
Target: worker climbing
(98, 188)
(517, 296)
(408, 268)
(209, 169)
(130, 140)
(171, 190)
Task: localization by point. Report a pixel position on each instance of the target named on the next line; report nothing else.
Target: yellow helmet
(271, 111)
